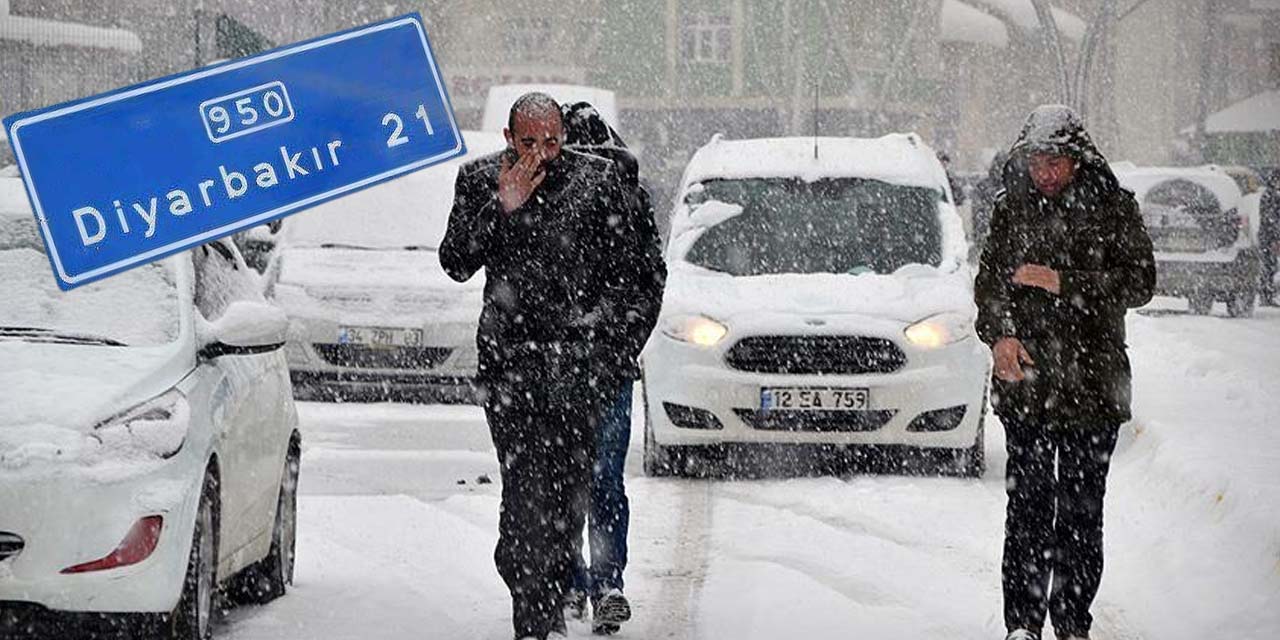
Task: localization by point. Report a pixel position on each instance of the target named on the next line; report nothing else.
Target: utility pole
(1208, 55)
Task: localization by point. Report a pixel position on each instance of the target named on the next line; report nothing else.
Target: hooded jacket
(588, 133)
(1092, 234)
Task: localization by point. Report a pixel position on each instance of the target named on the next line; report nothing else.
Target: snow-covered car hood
(913, 293)
(52, 397)
(74, 387)
(367, 269)
(375, 284)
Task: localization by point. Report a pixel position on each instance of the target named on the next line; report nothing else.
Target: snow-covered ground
(393, 544)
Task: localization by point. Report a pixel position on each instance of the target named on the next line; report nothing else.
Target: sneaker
(1022, 634)
(575, 604)
(609, 611)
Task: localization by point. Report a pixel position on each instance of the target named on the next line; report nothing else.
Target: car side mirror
(246, 328)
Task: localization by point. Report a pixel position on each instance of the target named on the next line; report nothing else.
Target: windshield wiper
(340, 245)
(419, 247)
(49, 335)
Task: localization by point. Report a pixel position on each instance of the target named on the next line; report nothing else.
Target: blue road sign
(128, 177)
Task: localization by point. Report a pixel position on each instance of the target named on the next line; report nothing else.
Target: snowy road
(394, 545)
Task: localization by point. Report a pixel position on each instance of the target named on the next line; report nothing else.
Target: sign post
(129, 177)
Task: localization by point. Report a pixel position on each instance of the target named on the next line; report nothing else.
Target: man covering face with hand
(567, 268)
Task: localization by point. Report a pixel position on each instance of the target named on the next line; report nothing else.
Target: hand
(517, 182)
(1034, 275)
(1010, 355)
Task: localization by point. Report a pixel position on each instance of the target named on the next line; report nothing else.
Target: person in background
(984, 201)
(601, 581)
(1067, 256)
(559, 237)
(1269, 234)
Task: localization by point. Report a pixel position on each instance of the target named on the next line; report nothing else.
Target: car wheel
(277, 568)
(192, 619)
(657, 461)
(1201, 304)
(972, 462)
(1242, 303)
(270, 577)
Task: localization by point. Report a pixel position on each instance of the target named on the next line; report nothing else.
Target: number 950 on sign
(247, 111)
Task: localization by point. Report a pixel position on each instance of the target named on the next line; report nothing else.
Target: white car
(372, 314)
(497, 105)
(1204, 231)
(817, 295)
(149, 444)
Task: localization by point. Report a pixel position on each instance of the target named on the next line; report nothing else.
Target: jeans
(610, 512)
(1053, 529)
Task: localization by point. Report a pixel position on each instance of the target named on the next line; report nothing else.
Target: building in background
(962, 73)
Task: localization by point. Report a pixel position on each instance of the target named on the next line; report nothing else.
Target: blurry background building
(963, 73)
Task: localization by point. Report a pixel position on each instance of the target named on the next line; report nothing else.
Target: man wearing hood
(609, 514)
(1066, 257)
(565, 304)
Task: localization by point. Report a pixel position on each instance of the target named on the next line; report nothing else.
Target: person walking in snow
(1066, 257)
(559, 237)
(600, 581)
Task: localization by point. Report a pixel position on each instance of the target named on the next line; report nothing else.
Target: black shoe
(575, 604)
(608, 612)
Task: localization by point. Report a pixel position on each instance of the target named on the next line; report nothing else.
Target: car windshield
(136, 308)
(1182, 215)
(411, 211)
(837, 225)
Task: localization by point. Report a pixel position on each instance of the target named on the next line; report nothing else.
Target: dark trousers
(544, 433)
(610, 511)
(1053, 528)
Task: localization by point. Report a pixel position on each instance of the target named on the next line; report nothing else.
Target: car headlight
(939, 330)
(695, 329)
(157, 427)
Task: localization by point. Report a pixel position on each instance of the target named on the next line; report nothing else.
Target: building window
(528, 39)
(1275, 64)
(707, 38)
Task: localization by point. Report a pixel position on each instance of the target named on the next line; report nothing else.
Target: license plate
(380, 336)
(814, 399)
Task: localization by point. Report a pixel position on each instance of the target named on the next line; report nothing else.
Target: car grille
(816, 421)
(364, 357)
(816, 355)
(10, 545)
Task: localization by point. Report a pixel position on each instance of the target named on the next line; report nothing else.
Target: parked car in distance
(1205, 245)
(372, 314)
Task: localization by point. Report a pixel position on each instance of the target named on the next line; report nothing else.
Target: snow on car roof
(412, 209)
(1256, 113)
(901, 159)
(1023, 14)
(52, 33)
(497, 105)
(1140, 180)
(960, 22)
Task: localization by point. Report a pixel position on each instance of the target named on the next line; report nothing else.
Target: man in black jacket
(565, 310)
(1066, 257)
